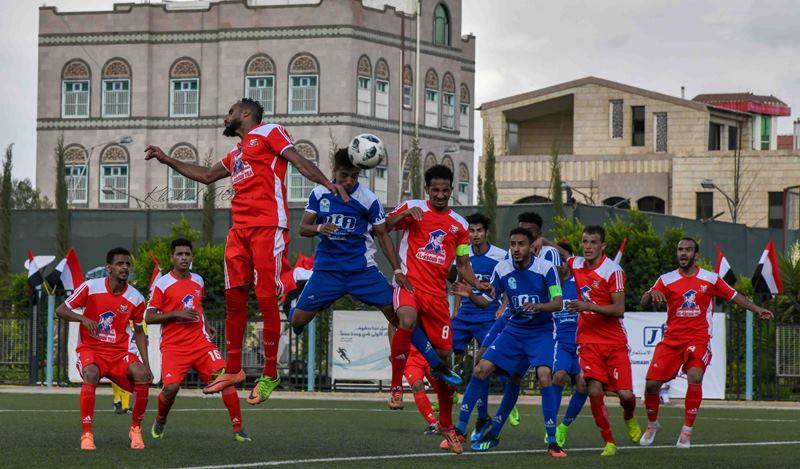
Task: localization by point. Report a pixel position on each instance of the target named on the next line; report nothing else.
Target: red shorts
(113, 366)
(175, 364)
(417, 369)
(607, 363)
(433, 314)
(258, 256)
(670, 356)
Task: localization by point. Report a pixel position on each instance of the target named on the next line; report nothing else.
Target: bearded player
(256, 248)
(689, 294)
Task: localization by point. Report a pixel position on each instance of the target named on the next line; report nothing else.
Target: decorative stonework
(76, 70)
(432, 80)
(75, 154)
(408, 76)
(303, 64)
(114, 154)
(448, 162)
(661, 131)
(616, 118)
(463, 173)
(364, 66)
(184, 68)
(382, 70)
(307, 150)
(184, 153)
(464, 93)
(430, 161)
(116, 68)
(260, 65)
(448, 84)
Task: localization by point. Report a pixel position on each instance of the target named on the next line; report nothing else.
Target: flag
(618, 257)
(68, 272)
(156, 272)
(767, 277)
(723, 269)
(301, 271)
(34, 276)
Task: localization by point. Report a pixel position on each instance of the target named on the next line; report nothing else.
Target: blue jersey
(536, 283)
(482, 265)
(567, 322)
(351, 247)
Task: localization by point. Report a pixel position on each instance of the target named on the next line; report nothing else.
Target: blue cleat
(446, 375)
(481, 427)
(485, 444)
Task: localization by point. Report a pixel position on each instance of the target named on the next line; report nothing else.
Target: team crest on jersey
(434, 250)
(241, 169)
(689, 308)
(453, 229)
(596, 284)
(123, 308)
(512, 283)
(105, 325)
(324, 205)
(586, 293)
(703, 288)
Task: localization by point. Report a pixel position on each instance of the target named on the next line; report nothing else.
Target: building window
(431, 108)
(75, 94)
(513, 138)
(303, 88)
(182, 190)
(430, 161)
(382, 99)
(775, 210)
(184, 97)
(463, 118)
(381, 188)
(615, 121)
(259, 82)
(114, 175)
(617, 202)
(408, 87)
(298, 187)
(733, 138)
(714, 136)
(660, 130)
(116, 99)
(766, 132)
(651, 204)
(704, 205)
(76, 172)
(463, 184)
(441, 25)
(365, 178)
(364, 95)
(448, 111)
(637, 128)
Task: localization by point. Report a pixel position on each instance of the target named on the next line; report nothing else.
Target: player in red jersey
(106, 347)
(433, 235)
(256, 248)
(177, 304)
(689, 294)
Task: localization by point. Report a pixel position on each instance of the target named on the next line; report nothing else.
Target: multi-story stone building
(112, 82)
(624, 146)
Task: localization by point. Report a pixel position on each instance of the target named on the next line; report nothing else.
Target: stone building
(624, 146)
(112, 82)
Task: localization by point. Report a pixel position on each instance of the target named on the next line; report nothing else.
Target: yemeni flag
(35, 278)
(618, 257)
(723, 269)
(300, 272)
(767, 278)
(156, 272)
(68, 272)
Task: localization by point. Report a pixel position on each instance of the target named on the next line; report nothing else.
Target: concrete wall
(536, 136)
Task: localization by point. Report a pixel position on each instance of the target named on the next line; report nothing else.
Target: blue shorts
(464, 331)
(514, 351)
(497, 328)
(566, 358)
(325, 287)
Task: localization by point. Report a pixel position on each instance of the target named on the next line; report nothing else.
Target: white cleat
(685, 438)
(649, 434)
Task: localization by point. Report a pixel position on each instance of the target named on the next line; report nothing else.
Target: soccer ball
(366, 151)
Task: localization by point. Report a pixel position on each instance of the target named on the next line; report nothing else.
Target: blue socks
(476, 389)
(483, 404)
(551, 396)
(574, 407)
(420, 341)
(510, 396)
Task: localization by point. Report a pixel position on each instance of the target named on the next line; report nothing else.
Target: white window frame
(448, 111)
(126, 100)
(382, 99)
(431, 108)
(316, 93)
(381, 183)
(172, 92)
(363, 95)
(365, 178)
(74, 180)
(189, 186)
(463, 121)
(88, 93)
(268, 110)
(305, 186)
(408, 96)
(120, 195)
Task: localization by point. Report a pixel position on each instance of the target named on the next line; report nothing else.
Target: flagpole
(748, 363)
(51, 308)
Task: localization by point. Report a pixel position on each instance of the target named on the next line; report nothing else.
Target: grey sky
(709, 46)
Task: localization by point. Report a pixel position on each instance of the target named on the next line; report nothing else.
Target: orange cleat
(223, 381)
(396, 398)
(555, 451)
(136, 438)
(452, 440)
(87, 441)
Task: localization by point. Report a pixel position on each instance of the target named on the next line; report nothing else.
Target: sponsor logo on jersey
(105, 324)
(345, 224)
(689, 307)
(518, 301)
(253, 142)
(241, 169)
(434, 250)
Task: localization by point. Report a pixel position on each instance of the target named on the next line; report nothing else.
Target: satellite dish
(41, 261)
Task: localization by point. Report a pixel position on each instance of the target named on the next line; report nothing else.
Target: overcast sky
(709, 46)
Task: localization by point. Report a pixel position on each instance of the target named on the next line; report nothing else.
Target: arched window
(651, 204)
(303, 84)
(448, 162)
(76, 172)
(408, 87)
(116, 100)
(463, 183)
(430, 161)
(182, 190)
(533, 199)
(364, 94)
(448, 102)
(259, 81)
(431, 99)
(298, 186)
(441, 25)
(114, 175)
(618, 202)
(184, 97)
(75, 79)
(463, 117)
(381, 89)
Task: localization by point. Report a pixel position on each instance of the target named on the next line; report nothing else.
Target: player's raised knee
(171, 390)
(91, 374)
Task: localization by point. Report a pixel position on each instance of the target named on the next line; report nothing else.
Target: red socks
(424, 406)
(140, 392)
(87, 406)
(235, 325)
(651, 403)
(445, 395)
(164, 405)
(628, 408)
(401, 345)
(694, 394)
(601, 417)
(271, 334)
(231, 400)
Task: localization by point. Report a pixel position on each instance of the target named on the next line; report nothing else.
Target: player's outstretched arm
(154, 316)
(313, 173)
(616, 309)
(413, 212)
(64, 312)
(195, 172)
(462, 290)
(745, 303)
(387, 246)
(555, 304)
(651, 297)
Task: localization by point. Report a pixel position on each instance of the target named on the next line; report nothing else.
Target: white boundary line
(489, 453)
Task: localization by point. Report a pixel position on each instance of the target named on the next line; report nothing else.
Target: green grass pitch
(41, 430)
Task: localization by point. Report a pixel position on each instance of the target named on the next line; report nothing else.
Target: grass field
(44, 430)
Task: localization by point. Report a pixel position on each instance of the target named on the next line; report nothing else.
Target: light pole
(733, 206)
(108, 190)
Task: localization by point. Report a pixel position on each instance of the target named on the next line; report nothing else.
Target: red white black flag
(34, 276)
(68, 272)
(618, 257)
(723, 269)
(767, 277)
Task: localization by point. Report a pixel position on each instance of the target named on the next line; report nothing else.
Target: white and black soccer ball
(366, 151)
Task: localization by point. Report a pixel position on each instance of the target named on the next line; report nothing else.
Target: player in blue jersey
(344, 262)
(533, 292)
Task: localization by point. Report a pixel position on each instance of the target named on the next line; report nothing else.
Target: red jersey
(690, 303)
(171, 293)
(111, 311)
(428, 247)
(596, 286)
(258, 171)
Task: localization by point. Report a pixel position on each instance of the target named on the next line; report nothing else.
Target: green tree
(415, 169)
(480, 189)
(27, 197)
(209, 199)
(5, 215)
(62, 209)
(556, 189)
(490, 187)
(333, 147)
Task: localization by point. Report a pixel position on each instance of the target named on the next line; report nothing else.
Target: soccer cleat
(634, 431)
(452, 440)
(118, 408)
(456, 397)
(445, 374)
(513, 417)
(431, 430)
(157, 430)
(87, 442)
(609, 450)
(241, 436)
(485, 444)
(262, 390)
(481, 427)
(396, 398)
(135, 434)
(561, 434)
(223, 380)
(649, 434)
(555, 451)
(685, 438)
